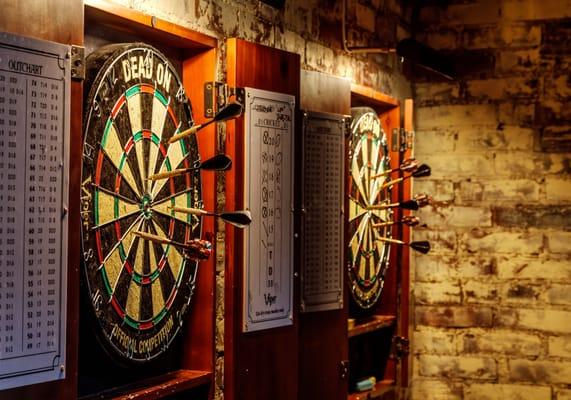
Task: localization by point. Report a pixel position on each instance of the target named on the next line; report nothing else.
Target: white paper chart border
(257, 315)
(333, 298)
(42, 53)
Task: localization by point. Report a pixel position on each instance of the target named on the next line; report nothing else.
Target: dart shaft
(153, 238)
(390, 183)
(189, 210)
(383, 239)
(381, 224)
(190, 131)
(168, 174)
(382, 206)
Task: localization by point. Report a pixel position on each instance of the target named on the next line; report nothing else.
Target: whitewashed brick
(558, 294)
(477, 267)
(495, 391)
(479, 241)
(457, 216)
(536, 9)
(436, 92)
(501, 341)
(292, 42)
(483, 138)
(433, 268)
(558, 189)
(476, 368)
(434, 341)
(512, 113)
(484, 12)
(518, 61)
(546, 320)
(522, 292)
(560, 346)
(480, 292)
(540, 371)
(435, 389)
(445, 165)
(494, 190)
(441, 242)
(428, 141)
(534, 268)
(502, 35)
(319, 56)
(559, 242)
(563, 394)
(457, 115)
(496, 89)
(440, 190)
(436, 293)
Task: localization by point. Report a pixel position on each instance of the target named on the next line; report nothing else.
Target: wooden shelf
(371, 324)
(363, 95)
(157, 387)
(378, 392)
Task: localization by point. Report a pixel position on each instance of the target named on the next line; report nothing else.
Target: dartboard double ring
(368, 257)
(139, 289)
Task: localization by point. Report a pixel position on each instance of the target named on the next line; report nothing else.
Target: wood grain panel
(258, 365)
(60, 22)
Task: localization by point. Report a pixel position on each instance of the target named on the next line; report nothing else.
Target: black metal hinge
(344, 369)
(217, 95)
(402, 140)
(400, 347)
(78, 63)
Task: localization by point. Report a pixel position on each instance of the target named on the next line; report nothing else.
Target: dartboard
(139, 289)
(368, 257)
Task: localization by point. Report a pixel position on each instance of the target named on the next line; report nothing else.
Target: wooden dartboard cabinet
(188, 370)
(318, 355)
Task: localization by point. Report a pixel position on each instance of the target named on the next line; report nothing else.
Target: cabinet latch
(344, 369)
(217, 95)
(400, 347)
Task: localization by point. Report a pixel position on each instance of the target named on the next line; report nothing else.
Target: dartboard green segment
(368, 257)
(139, 290)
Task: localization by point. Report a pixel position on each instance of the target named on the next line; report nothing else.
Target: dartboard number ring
(139, 290)
(368, 257)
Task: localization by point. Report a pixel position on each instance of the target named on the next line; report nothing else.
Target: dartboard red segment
(139, 290)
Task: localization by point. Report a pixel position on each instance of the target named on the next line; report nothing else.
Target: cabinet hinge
(402, 140)
(400, 347)
(344, 369)
(77, 63)
(217, 95)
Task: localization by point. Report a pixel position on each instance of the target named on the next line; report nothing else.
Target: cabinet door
(30, 18)
(261, 364)
(323, 334)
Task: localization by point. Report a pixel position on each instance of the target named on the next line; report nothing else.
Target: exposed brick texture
(492, 301)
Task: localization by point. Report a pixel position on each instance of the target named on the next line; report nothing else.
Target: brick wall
(311, 28)
(492, 302)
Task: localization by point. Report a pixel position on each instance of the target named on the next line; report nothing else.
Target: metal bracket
(400, 347)
(217, 95)
(409, 139)
(344, 369)
(78, 63)
(395, 140)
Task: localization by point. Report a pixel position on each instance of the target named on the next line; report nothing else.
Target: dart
(240, 219)
(195, 248)
(422, 246)
(232, 110)
(408, 220)
(419, 200)
(409, 165)
(422, 171)
(219, 162)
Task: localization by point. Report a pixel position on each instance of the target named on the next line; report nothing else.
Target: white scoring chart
(34, 133)
(268, 255)
(322, 211)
